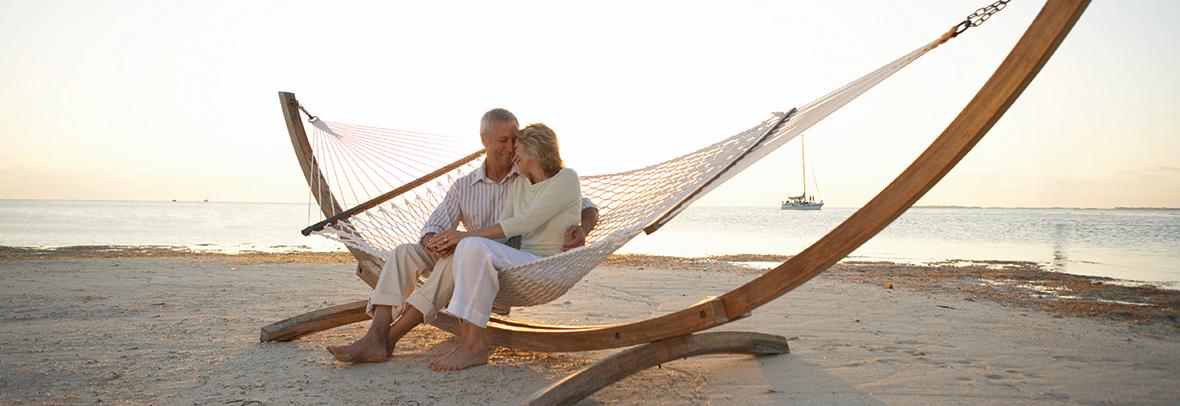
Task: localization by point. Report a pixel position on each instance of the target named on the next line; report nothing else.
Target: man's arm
(445, 217)
(575, 236)
(589, 220)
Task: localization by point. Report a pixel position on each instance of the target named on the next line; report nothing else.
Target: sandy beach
(146, 326)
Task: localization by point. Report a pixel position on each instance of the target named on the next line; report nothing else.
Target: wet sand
(88, 325)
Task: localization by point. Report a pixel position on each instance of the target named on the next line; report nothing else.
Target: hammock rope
(629, 202)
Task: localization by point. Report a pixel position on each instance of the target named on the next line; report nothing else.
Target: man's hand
(431, 252)
(574, 238)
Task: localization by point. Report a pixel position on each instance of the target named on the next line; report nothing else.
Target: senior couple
(521, 190)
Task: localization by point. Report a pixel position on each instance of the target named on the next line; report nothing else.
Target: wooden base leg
(314, 322)
(354, 312)
(616, 367)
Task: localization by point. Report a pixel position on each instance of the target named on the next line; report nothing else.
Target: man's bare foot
(368, 349)
(462, 357)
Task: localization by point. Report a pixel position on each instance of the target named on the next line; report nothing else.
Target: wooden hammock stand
(678, 335)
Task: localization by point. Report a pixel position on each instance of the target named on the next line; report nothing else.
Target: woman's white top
(540, 213)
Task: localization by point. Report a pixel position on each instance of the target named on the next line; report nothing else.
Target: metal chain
(979, 16)
(310, 118)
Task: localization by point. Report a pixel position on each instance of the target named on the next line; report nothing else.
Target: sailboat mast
(803, 161)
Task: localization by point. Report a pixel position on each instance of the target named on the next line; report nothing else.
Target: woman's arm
(557, 196)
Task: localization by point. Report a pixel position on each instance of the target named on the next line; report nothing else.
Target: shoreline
(1017, 283)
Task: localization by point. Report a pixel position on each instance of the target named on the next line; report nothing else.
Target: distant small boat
(803, 201)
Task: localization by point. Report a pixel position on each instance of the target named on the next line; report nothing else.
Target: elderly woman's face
(522, 157)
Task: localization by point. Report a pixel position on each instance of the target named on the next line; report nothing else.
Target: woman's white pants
(475, 267)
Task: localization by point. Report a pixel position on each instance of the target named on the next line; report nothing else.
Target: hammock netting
(359, 162)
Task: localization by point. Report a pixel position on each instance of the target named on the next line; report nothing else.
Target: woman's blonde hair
(541, 142)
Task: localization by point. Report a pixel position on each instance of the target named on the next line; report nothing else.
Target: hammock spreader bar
(343, 216)
(674, 211)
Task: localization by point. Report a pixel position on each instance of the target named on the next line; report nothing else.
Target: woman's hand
(445, 241)
(574, 238)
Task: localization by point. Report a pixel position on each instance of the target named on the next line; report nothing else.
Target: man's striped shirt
(475, 201)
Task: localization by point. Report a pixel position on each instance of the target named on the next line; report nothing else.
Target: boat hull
(814, 206)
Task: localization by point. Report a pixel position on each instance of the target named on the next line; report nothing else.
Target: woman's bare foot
(462, 357)
(370, 348)
(472, 350)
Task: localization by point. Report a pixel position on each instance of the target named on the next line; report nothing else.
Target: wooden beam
(305, 155)
(354, 312)
(384, 197)
(709, 184)
(537, 337)
(369, 267)
(315, 322)
(626, 363)
(506, 332)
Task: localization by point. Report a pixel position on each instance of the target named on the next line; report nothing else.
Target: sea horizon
(1069, 240)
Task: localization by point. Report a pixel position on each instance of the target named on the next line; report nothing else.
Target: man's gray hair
(494, 115)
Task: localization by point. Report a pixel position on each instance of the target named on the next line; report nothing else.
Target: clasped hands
(442, 245)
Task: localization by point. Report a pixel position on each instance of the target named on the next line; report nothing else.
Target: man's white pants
(475, 269)
(396, 286)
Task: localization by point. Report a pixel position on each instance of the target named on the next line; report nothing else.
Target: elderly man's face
(500, 144)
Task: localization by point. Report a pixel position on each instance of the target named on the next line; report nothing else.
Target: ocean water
(1138, 245)
(213, 227)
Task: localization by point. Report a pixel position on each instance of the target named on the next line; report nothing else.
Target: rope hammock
(358, 160)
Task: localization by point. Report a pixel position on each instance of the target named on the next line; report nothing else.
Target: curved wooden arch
(1022, 64)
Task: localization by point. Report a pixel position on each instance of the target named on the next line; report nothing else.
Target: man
(475, 201)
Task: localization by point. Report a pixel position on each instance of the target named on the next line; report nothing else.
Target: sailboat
(803, 201)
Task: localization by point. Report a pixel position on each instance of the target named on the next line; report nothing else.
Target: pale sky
(160, 100)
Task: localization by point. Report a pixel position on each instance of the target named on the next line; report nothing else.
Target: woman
(543, 202)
